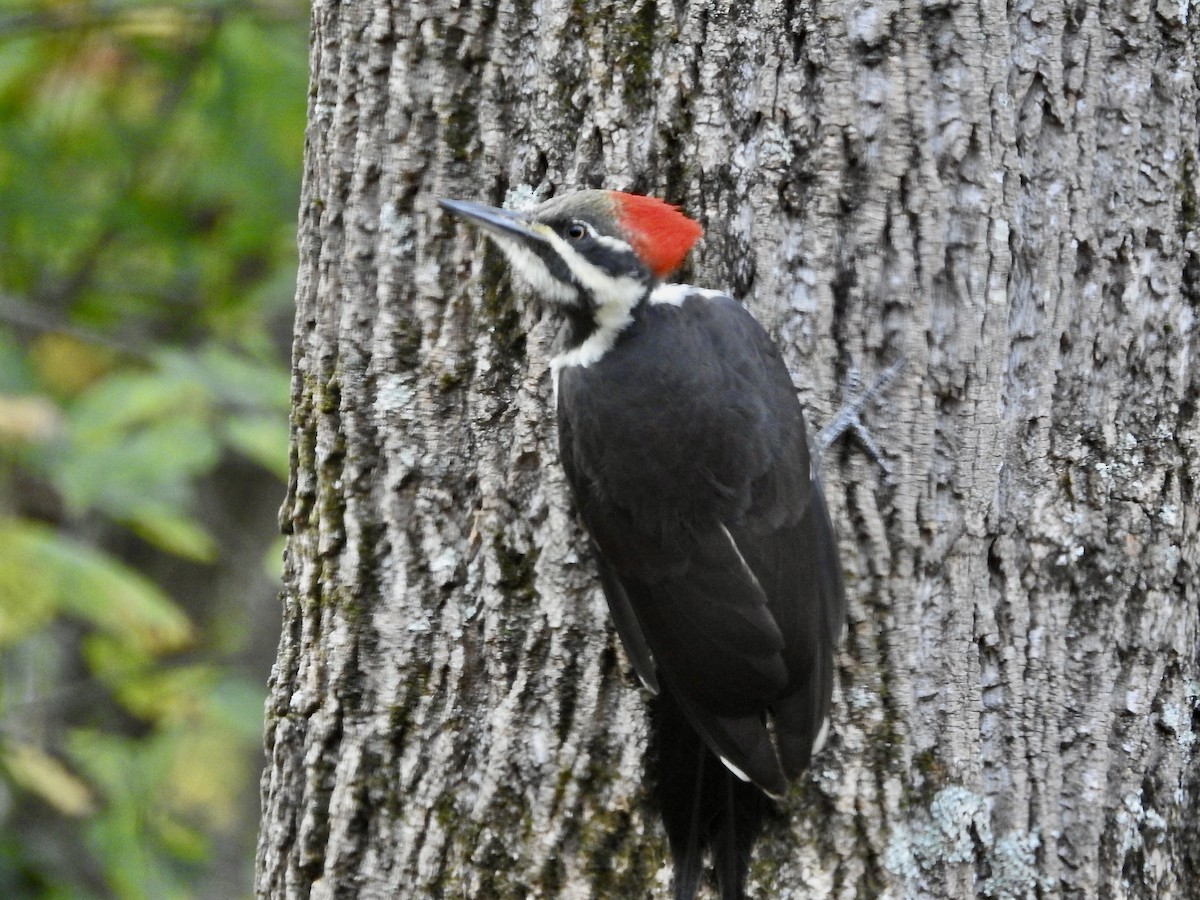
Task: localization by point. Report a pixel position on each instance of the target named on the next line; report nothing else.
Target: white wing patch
(822, 737)
(735, 770)
(745, 565)
(675, 294)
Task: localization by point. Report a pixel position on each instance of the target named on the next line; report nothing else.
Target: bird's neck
(604, 321)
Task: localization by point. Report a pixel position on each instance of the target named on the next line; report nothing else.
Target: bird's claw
(849, 417)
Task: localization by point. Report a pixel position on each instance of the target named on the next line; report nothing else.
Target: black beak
(503, 223)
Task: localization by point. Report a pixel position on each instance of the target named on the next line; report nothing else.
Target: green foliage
(44, 574)
(149, 176)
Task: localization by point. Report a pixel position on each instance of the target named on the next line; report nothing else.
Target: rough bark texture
(1006, 196)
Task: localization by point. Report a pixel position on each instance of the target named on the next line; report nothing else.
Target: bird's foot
(848, 419)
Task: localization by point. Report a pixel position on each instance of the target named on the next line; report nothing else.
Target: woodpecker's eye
(576, 232)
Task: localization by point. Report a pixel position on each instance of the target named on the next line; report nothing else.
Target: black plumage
(686, 450)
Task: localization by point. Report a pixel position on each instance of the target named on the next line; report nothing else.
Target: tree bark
(1003, 195)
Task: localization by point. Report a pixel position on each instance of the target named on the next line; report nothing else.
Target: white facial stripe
(615, 299)
(533, 270)
(590, 351)
(618, 293)
(604, 240)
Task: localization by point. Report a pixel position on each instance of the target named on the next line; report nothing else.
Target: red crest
(660, 233)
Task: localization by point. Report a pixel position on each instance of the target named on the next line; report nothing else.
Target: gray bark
(1006, 196)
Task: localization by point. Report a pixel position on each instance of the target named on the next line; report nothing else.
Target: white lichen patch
(956, 830)
(393, 395)
(398, 231)
(961, 818)
(523, 197)
(1014, 871)
(1142, 826)
(1175, 720)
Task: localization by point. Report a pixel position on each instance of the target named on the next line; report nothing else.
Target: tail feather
(704, 806)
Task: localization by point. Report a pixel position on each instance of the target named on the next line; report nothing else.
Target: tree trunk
(1004, 196)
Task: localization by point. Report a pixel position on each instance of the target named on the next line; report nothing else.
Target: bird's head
(595, 252)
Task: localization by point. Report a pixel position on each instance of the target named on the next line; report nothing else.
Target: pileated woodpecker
(686, 450)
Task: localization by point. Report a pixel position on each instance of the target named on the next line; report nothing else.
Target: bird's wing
(619, 605)
(708, 632)
(698, 493)
(628, 627)
(799, 569)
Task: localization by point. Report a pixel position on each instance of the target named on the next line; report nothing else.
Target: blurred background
(149, 181)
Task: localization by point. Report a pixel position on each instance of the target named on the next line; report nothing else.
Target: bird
(687, 454)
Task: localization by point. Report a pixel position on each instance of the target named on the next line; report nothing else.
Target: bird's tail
(703, 805)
